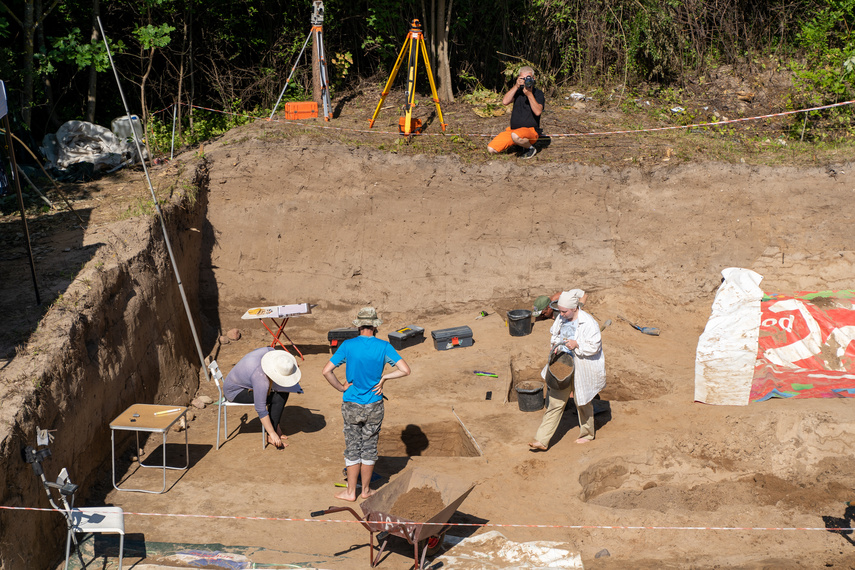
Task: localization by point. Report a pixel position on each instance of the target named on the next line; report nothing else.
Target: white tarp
(493, 551)
(727, 349)
(3, 105)
(79, 141)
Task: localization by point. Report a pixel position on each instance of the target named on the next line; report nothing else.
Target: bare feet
(584, 440)
(278, 443)
(537, 446)
(345, 496)
(367, 494)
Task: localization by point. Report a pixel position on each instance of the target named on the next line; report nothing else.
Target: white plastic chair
(60, 494)
(223, 405)
(87, 519)
(97, 519)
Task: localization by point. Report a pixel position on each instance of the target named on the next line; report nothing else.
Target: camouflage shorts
(361, 430)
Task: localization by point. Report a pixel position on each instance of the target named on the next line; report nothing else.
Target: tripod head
(65, 487)
(317, 13)
(35, 457)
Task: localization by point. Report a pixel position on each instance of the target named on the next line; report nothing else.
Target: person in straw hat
(265, 377)
(577, 333)
(365, 357)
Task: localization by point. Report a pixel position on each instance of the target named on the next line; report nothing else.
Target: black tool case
(455, 337)
(338, 336)
(407, 336)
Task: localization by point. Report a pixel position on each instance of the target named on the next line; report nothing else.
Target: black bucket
(519, 322)
(530, 396)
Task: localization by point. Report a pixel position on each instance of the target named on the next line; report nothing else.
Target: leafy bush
(828, 73)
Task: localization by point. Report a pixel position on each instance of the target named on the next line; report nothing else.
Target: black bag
(566, 359)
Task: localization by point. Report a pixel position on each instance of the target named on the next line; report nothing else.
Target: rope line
(557, 135)
(482, 525)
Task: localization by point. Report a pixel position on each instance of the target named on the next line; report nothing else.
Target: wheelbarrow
(426, 535)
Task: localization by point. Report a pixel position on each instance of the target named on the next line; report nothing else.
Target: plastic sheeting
(807, 346)
(79, 141)
(727, 349)
(493, 551)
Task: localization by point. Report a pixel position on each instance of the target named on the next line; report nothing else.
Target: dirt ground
(433, 237)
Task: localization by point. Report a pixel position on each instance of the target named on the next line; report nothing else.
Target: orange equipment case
(301, 110)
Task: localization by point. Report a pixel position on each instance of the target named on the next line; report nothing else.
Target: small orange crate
(301, 110)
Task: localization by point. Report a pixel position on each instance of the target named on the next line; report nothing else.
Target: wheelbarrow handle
(334, 510)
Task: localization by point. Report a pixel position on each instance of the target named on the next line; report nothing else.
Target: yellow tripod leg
(389, 82)
(432, 84)
(411, 80)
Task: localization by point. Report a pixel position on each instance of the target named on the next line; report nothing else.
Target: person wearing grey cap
(577, 333)
(362, 408)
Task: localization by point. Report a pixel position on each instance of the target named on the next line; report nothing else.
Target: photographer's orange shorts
(503, 140)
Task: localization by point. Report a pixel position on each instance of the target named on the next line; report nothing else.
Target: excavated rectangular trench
(435, 439)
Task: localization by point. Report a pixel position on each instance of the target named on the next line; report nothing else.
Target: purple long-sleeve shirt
(248, 375)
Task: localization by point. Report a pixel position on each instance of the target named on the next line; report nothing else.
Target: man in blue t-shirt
(362, 404)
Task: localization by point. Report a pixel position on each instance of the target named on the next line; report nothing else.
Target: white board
(3, 107)
(277, 311)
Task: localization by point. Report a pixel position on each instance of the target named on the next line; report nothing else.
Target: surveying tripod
(415, 42)
(317, 36)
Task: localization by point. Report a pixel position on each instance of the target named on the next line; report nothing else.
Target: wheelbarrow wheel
(434, 543)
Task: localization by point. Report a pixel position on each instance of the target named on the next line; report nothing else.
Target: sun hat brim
(275, 364)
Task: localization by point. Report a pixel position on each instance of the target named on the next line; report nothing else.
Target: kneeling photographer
(528, 103)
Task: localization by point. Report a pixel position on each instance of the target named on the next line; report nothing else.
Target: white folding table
(152, 418)
(283, 312)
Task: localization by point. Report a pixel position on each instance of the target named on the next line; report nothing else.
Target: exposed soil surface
(431, 236)
(418, 504)
(561, 369)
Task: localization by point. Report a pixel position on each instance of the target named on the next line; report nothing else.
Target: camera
(31, 455)
(529, 82)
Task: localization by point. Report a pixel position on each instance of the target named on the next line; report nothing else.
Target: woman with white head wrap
(576, 332)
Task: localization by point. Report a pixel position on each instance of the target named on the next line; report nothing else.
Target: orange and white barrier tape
(556, 135)
(485, 525)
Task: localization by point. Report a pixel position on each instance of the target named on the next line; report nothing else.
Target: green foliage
(70, 49)
(206, 125)
(829, 46)
(385, 32)
(151, 36)
(470, 80)
(651, 43)
(341, 62)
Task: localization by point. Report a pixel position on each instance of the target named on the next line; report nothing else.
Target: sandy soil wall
(119, 335)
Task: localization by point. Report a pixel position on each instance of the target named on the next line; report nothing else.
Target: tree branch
(11, 13)
(46, 12)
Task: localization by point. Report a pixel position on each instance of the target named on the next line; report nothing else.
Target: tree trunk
(145, 117)
(190, 68)
(27, 91)
(316, 73)
(433, 31)
(40, 40)
(443, 66)
(93, 73)
(177, 102)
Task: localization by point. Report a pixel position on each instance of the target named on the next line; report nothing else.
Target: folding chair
(78, 520)
(223, 405)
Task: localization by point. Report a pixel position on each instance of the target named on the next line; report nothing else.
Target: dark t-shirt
(521, 115)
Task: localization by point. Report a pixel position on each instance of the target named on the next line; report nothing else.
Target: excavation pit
(438, 439)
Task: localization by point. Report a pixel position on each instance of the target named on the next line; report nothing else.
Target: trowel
(652, 331)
